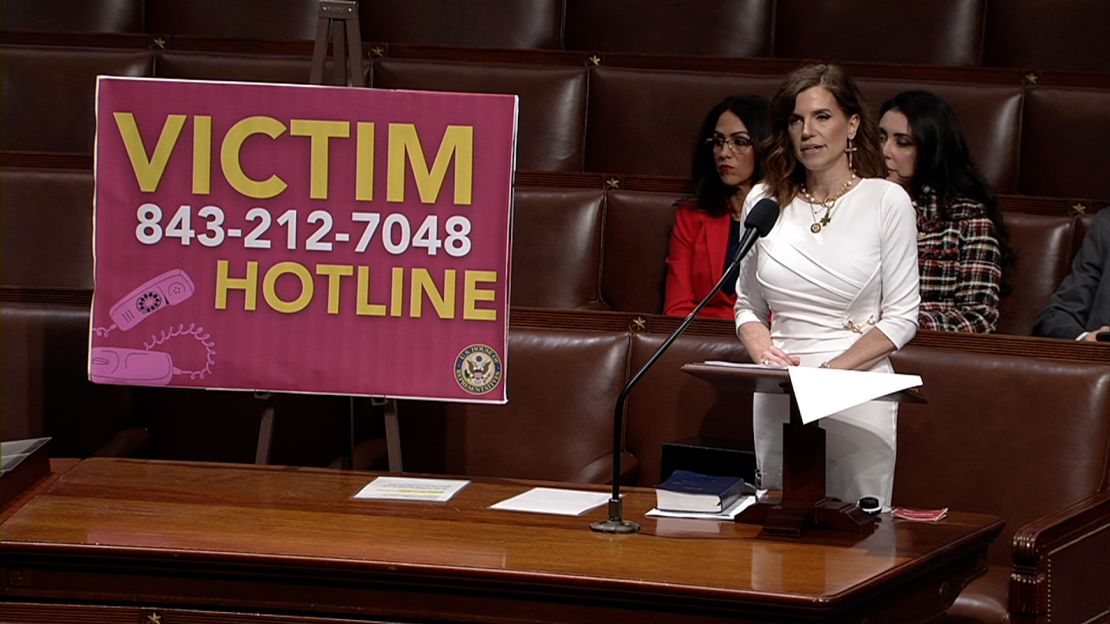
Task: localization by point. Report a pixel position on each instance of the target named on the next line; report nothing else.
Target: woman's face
(899, 149)
(733, 153)
(820, 129)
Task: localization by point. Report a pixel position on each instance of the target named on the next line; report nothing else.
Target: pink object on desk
(919, 515)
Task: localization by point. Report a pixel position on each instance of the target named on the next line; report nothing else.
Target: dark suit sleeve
(1069, 312)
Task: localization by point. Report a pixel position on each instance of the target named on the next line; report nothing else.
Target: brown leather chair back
(942, 32)
(1041, 248)
(646, 122)
(552, 117)
(46, 238)
(733, 28)
(470, 24)
(1002, 434)
(46, 386)
(556, 247)
(237, 67)
(267, 20)
(990, 117)
(637, 234)
(1061, 131)
(57, 114)
(557, 424)
(1033, 34)
(98, 16)
(667, 405)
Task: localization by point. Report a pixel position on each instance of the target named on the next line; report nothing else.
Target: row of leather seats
(607, 246)
(942, 32)
(1033, 140)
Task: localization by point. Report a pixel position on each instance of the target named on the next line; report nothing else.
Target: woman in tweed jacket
(963, 247)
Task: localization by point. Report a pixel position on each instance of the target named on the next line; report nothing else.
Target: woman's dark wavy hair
(782, 172)
(944, 163)
(711, 193)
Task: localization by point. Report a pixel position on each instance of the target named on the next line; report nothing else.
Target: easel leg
(338, 20)
(265, 431)
(392, 436)
(338, 49)
(319, 51)
(354, 53)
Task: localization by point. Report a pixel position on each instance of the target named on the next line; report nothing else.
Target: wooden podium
(803, 503)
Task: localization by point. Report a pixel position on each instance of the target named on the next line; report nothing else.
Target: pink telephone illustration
(118, 365)
(169, 288)
(143, 367)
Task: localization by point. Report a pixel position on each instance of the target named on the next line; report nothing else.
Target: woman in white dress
(835, 282)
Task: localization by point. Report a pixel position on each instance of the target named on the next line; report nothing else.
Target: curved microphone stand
(757, 224)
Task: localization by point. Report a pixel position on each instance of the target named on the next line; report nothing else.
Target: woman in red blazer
(707, 227)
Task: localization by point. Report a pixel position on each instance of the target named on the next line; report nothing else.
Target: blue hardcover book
(692, 491)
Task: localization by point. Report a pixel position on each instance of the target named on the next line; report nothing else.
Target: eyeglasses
(718, 142)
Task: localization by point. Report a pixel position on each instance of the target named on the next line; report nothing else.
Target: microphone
(757, 224)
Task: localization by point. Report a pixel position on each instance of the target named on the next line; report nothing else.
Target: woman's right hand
(757, 340)
(774, 356)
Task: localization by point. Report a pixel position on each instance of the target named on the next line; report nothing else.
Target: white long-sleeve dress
(821, 292)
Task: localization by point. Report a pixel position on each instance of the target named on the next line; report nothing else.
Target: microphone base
(616, 522)
(615, 525)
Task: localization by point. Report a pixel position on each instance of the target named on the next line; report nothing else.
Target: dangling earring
(851, 149)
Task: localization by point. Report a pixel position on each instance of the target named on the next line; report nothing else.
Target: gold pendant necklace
(828, 204)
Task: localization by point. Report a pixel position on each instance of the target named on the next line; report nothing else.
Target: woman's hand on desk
(757, 340)
(774, 356)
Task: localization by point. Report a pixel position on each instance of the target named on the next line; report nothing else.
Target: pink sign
(302, 239)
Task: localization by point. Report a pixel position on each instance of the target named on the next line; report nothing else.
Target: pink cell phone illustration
(136, 367)
(169, 288)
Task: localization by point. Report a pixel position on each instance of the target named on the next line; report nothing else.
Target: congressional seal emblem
(478, 369)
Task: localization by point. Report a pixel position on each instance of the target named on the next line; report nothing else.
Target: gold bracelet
(824, 364)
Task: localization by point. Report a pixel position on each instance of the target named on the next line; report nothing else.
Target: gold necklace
(829, 203)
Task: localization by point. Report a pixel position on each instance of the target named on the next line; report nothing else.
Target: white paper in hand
(825, 391)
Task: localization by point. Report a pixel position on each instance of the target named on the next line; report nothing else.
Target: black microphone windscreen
(762, 216)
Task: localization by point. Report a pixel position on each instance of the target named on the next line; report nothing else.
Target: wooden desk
(192, 542)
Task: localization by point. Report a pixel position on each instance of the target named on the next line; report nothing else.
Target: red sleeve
(679, 299)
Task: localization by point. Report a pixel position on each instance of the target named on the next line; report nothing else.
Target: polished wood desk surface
(199, 525)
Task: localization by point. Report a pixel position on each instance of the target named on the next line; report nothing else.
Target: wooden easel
(338, 20)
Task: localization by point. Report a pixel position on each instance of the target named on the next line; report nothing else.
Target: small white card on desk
(553, 501)
(411, 488)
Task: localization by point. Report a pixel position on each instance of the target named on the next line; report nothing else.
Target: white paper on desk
(411, 488)
(739, 505)
(725, 364)
(553, 501)
(824, 391)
